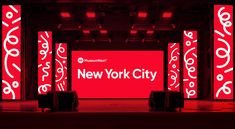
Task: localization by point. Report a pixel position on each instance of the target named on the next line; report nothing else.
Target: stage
(121, 105)
(107, 114)
(56, 51)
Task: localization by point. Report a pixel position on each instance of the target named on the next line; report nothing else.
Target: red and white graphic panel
(117, 74)
(61, 67)
(44, 61)
(223, 52)
(11, 52)
(190, 64)
(174, 67)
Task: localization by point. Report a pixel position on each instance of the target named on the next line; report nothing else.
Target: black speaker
(166, 101)
(157, 100)
(66, 101)
(176, 100)
(45, 101)
(42, 101)
(59, 101)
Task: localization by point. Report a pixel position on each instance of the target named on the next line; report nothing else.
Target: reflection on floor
(119, 114)
(122, 106)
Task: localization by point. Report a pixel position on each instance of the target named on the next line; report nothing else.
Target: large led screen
(44, 61)
(117, 74)
(11, 52)
(223, 52)
(173, 67)
(190, 64)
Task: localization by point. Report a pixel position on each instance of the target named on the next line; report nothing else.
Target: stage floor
(119, 114)
(122, 105)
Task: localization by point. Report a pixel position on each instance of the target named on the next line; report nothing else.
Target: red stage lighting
(150, 32)
(65, 14)
(90, 14)
(167, 15)
(103, 31)
(133, 32)
(142, 14)
(86, 32)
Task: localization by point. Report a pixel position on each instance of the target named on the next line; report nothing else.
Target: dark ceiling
(118, 17)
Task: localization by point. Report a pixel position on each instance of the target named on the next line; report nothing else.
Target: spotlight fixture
(142, 14)
(167, 14)
(90, 14)
(103, 31)
(86, 32)
(133, 32)
(150, 32)
(65, 14)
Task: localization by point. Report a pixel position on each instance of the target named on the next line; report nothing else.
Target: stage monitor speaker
(45, 101)
(58, 101)
(176, 100)
(66, 101)
(166, 101)
(157, 100)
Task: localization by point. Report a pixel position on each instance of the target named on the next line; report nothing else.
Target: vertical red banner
(190, 64)
(44, 61)
(61, 67)
(223, 52)
(174, 67)
(11, 52)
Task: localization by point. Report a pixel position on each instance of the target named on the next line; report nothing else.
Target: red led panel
(223, 52)
(117, 74)
(173, 67)
(44, 61)
(190, 64)
(61, 67)
(11, 51)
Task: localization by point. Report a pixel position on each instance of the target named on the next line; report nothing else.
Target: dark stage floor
(122, 106)
(119, 114)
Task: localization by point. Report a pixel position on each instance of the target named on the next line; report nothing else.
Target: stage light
(167, 15)
(150, 32)
(142, 14)
(86, 32)
(103, 31)
(90, 14)
(133, 32)
(65, 15)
